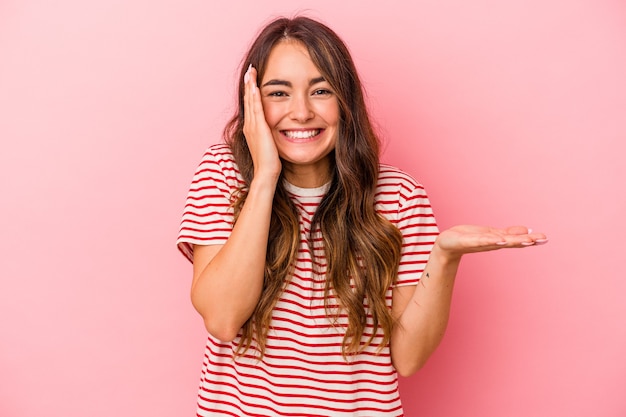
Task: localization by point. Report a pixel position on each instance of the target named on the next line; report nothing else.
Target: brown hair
(359, 244)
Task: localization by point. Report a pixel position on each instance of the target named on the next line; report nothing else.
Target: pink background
(509, 112)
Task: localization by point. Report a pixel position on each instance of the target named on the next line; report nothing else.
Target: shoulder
(217, 169)
(220, 154)
(398, 192)
(218, 158)
(393, 178)
(402, 199)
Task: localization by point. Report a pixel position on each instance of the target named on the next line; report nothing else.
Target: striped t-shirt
(303, 372)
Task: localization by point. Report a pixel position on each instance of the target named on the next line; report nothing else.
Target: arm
(228, 279)
(422, 311)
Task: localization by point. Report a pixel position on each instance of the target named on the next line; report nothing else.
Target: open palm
(464, 239)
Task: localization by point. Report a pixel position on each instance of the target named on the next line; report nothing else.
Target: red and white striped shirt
(303, 372)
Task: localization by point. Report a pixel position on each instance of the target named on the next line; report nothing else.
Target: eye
(277, 94)
(322, 92)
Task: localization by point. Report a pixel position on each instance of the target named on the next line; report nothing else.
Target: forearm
(421, 326)
(422, 316)
(227, 289)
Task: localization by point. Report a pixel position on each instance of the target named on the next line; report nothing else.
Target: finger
(521, 241)
(257, 104)
(246, 91)
(253, 81)
(517, 230)
(539, 238)
(483, 240)
(248, 113)
(524, 236)
(255, 115)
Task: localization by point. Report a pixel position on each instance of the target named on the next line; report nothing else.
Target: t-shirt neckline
(306, 192)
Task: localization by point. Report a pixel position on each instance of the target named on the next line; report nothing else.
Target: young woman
(319, 272)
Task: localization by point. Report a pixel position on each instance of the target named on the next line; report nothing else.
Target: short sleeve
(208, 212)
(405, 203)
(418, 226)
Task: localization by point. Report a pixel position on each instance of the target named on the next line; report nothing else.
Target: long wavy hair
(359, 244)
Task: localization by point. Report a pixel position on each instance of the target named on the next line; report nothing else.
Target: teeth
(301, 134)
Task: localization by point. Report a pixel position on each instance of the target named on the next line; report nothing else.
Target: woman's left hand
(423, 310)
(459, 240)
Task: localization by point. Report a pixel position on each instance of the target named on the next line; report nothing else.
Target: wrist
(264, 182)
(445, 256)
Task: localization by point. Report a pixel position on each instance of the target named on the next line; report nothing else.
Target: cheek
(329, 112)
(272, 113)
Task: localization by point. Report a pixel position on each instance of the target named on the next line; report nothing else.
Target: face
(302, 111)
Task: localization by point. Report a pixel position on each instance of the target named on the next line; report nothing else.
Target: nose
(301, 109)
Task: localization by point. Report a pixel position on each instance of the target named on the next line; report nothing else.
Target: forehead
(290, 59)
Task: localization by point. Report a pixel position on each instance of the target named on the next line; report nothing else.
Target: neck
(306, 177)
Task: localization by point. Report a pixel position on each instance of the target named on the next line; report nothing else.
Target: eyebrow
(288, 84)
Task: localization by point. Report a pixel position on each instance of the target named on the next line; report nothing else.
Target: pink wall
(509, 112)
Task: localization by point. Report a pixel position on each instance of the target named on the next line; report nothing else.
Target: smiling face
(302, 111)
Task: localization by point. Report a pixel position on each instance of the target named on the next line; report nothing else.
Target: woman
(319, 272)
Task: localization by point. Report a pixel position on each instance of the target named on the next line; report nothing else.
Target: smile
(301, 134)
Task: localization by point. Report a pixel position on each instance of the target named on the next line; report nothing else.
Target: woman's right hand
(258, 134)
(227, 287)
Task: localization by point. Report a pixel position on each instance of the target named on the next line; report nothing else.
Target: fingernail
(246, 76)
(541, 241)
(528, 243)
(501, 243)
